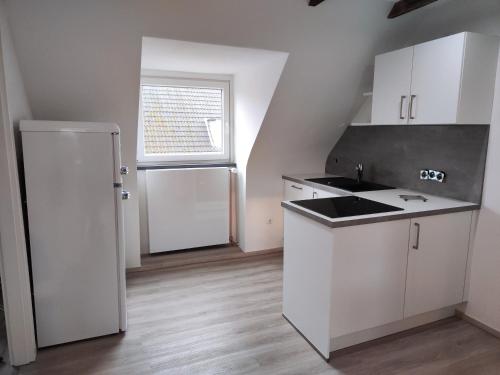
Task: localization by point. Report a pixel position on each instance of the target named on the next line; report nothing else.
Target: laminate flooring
(151, 262)
(224, 317)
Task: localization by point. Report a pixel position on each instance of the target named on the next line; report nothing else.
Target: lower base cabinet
(344, 285)
(437, 262)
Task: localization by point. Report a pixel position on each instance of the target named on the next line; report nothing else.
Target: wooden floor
(197, 256)
(225, 318)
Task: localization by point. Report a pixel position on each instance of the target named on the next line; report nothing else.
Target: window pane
(182, 120)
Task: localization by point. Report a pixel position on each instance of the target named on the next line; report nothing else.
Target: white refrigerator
(74, 195)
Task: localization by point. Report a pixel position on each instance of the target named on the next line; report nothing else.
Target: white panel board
(72, 225)
(187, 208)
(307, 275)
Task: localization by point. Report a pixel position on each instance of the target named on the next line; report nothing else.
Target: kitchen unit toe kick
(360, 337)
(342, 342)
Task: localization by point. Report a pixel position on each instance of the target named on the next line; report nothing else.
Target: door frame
(14, 270)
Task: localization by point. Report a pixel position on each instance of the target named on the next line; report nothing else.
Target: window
(183, 120)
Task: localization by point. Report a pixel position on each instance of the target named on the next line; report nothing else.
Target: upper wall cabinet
(391, 87)
(445, 81)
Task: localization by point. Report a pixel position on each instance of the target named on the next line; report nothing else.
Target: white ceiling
(184, 56)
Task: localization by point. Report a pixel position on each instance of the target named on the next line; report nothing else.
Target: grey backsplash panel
(394, 155)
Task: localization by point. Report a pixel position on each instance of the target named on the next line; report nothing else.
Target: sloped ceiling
(81, 61)
(241, 65)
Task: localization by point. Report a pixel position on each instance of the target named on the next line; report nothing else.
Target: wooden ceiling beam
(313, 3)
(406, 6)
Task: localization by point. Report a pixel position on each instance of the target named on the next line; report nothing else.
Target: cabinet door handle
(412, 100)
(401, 103)
(296, 187)
(417, 240)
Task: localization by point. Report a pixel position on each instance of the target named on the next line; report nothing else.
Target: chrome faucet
(359, 171)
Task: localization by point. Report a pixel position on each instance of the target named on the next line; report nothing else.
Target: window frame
(195, 158)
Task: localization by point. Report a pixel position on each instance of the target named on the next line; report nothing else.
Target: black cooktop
(345, 206)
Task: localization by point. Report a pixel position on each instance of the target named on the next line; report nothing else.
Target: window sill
(145, 166)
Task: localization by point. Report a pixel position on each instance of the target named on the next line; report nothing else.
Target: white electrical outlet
(432, 175)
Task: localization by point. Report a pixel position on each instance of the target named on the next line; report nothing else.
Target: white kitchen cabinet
(437, 261)
(293, 191)
(368, 272)
(343, 280)
(318, 194)
(435, 81)
(391, 87)
(343, 286)
(444, 81)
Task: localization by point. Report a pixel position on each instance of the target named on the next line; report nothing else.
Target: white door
(293, 191)
(368, 275)
(72, 226)
(318, 194)
(436, 77)
(437, 260)
(391, 87)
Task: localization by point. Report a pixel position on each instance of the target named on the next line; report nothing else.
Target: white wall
(13, 256)
(81, 59)
(89, 71)
(321, 85)
(143, 212)
(251, 96)
(19, 108)
(484, 288)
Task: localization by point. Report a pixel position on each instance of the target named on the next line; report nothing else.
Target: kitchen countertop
(411, 209)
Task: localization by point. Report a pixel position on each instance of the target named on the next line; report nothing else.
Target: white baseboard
(477, 323)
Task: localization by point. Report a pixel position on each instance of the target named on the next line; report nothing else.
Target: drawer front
(318, 194)
(294, 191)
